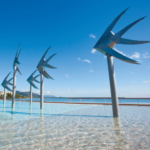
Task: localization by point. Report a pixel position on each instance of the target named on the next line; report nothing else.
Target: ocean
(121, 101)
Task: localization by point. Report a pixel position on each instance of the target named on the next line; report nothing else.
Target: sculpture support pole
(30, 95)
(14, 87)
(113, 88)
(41, 91)
(4, 96)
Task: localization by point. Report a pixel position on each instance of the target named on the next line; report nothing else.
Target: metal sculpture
(105, 45)
(41, 68)
(31, 79)
(15, 67)
(5, 84)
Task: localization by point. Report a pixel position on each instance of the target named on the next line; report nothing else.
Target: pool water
(73, 126)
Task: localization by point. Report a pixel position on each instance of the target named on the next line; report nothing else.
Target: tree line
(9, 95)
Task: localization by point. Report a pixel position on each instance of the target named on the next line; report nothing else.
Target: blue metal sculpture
(41, 68)
(15, 67)
(5, 84)
(105, 45)
(31, 79)
(16, 61)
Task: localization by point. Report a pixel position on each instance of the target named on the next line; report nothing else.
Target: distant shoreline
(101, 97)
(108, 97)
(148, 105)
(86, 98)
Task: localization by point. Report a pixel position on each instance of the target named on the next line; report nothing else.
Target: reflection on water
(118, 132)
(62, 126)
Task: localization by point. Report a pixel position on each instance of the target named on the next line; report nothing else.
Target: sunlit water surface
(73, 126)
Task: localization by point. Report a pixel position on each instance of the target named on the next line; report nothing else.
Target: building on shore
(9, 92)
(1, 93)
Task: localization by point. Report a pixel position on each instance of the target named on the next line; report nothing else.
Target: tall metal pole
(41, 91)
(30, 95)
(4, 96)
(14, 87)
(113, 88)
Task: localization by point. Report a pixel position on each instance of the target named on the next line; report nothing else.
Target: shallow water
(62, 126)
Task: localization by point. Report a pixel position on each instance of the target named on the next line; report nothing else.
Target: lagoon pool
(73, 126)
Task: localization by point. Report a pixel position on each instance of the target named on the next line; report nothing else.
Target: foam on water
(67, 127)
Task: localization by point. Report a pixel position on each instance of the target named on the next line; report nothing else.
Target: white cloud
(48, 92)
(93, 51)
(65, 90)
(93, 36)
(91, 70)
(133, 81)
(146, 55)
(135, 55)
(86, 60)
(146, 81)
(105, 56)
(22, 90)
(57, 88)
(67, 75)
(36, 92)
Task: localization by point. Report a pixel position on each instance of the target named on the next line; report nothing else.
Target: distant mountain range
(33, 94)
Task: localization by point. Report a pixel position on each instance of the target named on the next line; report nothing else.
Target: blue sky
(72, 28)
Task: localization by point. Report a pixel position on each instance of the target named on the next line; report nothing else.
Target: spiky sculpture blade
(106, 44)
(44, 63)
(31, 79)
(108, 40)
(41, 68)
(15, 67)
(5, 84)
(16, 60)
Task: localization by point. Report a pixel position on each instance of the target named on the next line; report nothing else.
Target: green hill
(27, 94)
